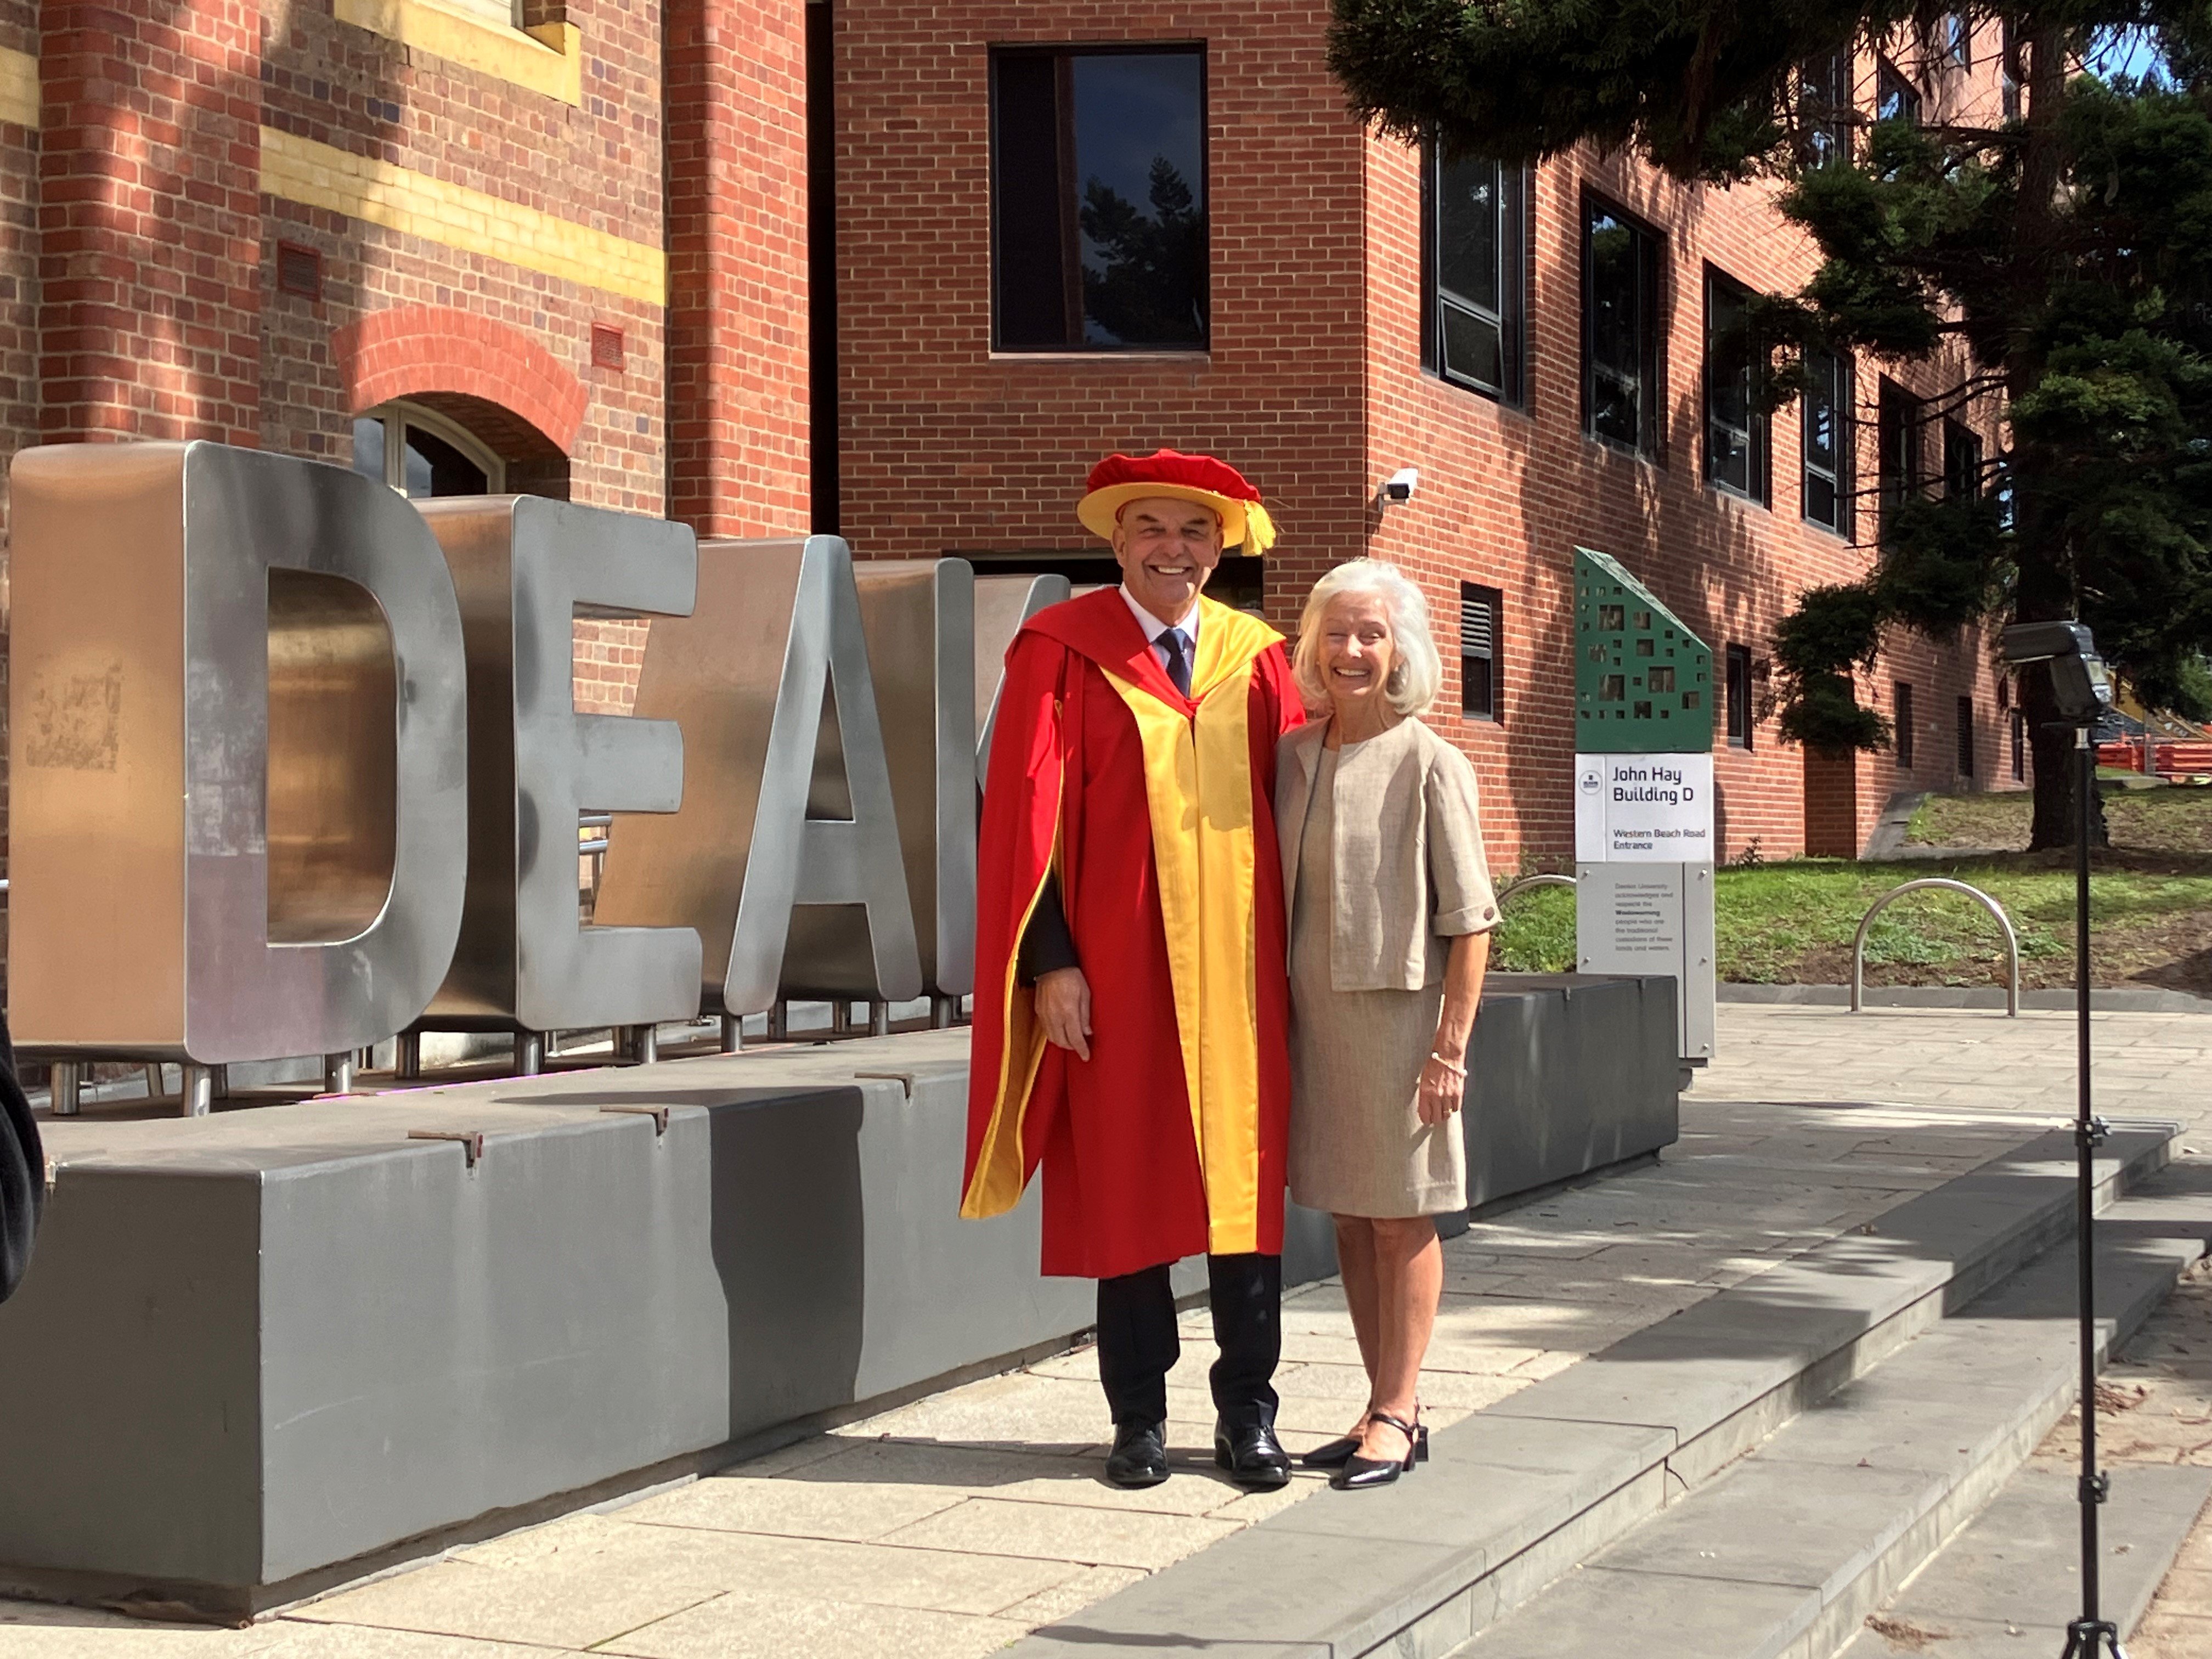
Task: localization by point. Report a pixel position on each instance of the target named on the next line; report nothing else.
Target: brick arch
(411, 351)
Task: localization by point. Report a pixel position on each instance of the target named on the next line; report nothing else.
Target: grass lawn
(1792, 923)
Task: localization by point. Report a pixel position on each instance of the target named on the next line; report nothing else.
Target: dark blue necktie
(1172, 642)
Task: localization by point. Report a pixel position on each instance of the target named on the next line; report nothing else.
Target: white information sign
(1643, 809)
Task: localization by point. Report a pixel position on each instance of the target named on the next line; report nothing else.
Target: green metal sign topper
(1643, 683)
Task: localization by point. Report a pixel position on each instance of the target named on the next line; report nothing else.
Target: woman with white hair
(1390, 907)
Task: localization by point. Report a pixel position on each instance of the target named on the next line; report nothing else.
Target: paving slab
(2009, 1583)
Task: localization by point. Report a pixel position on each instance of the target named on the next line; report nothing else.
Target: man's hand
(1063, 1008)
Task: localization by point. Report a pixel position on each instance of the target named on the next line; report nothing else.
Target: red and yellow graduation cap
(1120, 479)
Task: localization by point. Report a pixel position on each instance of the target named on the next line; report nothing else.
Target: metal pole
(2089, 1634)
(529, 1053)
(337, 1074)
(196, 1090)
(944, 1012)
(879, 1020)
(779, 1021)
(66, 1087)
(645, 1043)
(733, 1034)
(407, 1056)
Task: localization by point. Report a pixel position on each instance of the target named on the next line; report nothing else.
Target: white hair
(1418, 671)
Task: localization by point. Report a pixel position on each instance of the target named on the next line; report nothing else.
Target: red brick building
(565, 247)
(1540, 358)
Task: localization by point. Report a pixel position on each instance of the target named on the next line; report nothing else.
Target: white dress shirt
(1154, 627)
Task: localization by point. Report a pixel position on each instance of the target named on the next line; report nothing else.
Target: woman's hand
(1441, 1089)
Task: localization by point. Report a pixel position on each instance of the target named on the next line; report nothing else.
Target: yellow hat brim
(1100, 510)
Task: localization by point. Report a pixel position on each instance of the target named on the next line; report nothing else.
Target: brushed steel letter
(239, 755)
(523, 565)
(1003, 603)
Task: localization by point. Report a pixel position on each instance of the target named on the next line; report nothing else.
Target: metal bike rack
(2005, 921)
(1521, 882)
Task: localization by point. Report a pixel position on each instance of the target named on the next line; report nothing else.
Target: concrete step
(2010, 1583)
(1783, 1555)
(1522, 1492)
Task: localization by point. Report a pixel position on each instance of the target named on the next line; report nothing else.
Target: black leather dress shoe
(1251, 1453)
(1139, 1458)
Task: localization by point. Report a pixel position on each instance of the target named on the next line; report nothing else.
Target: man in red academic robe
(1131, 1003)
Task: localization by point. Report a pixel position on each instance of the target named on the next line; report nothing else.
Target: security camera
(1402, 484)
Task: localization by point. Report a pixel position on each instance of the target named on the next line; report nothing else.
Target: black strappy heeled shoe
(1335, 1453)
(1359, 1473)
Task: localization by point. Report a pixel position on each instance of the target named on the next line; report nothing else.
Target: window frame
(398, 414)
(1738, 710)
(1961, 440)
(1894, 487)
(1958, 43)
(1651, 299)
(1827, 108)
(1516, 194)
(1060, 51)
(1900, 726)
(1844, 477)
(1913, 101)
(1759, 435)
(1493, 599)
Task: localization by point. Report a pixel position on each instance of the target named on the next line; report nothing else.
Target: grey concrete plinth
(267, 1350)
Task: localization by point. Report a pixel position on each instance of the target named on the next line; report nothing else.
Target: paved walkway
(951, 1526)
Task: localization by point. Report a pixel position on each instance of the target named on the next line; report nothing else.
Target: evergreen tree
(2065, 248)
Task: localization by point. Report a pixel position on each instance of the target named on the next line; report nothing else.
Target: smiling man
(1131, 1007)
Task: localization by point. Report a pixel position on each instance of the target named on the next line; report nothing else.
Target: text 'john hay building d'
(902, 269)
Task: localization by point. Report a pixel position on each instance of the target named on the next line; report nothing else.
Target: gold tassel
(1259, 529)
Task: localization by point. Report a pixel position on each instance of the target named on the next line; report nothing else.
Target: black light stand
(2079, 684)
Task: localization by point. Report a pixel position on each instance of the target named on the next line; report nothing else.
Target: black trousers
(1138, 1344)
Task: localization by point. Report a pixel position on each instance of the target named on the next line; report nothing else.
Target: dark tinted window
(1901, 701)
(1896, 98)
(1099, 198)
(1740, 720)
(1475, 260)
(1736, 426)
(435, 467)
(1966, 737)
(1897, 419)
(1962, 461)
(1621, 326)
(2019, 747)
(1481, 617)
(1824, 108)
(1825, 412)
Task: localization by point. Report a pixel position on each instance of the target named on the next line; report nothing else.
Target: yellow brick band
(19, 88)
(416, 204)
(547, 59)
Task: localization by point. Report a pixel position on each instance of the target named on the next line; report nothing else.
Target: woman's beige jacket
(1407, 858)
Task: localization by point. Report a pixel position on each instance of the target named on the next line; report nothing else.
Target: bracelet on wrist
(1452, 1066)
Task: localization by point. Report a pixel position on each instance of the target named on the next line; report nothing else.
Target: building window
(1901, 701)
(2019, 747)
(421, 453)
(1099, 198)
(1621, 394)
(1898, 421)
(1825, 497)
(1895, 99)
(1824, 108)
(1967, 739)
(1957, 34)
(1481, 619)
(1735, 425)
(1740, 720)
(1962, 462)
(2008, 76)
(1474, 330)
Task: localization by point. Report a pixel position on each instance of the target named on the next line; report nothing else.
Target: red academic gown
(1157, 812)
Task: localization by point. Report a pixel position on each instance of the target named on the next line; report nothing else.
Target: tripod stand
(2080, 688)
(2090, 1635)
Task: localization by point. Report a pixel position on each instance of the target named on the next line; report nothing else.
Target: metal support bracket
(2093, 1133)
(658, 1114)
(471, 1141)
(2095, 1488)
